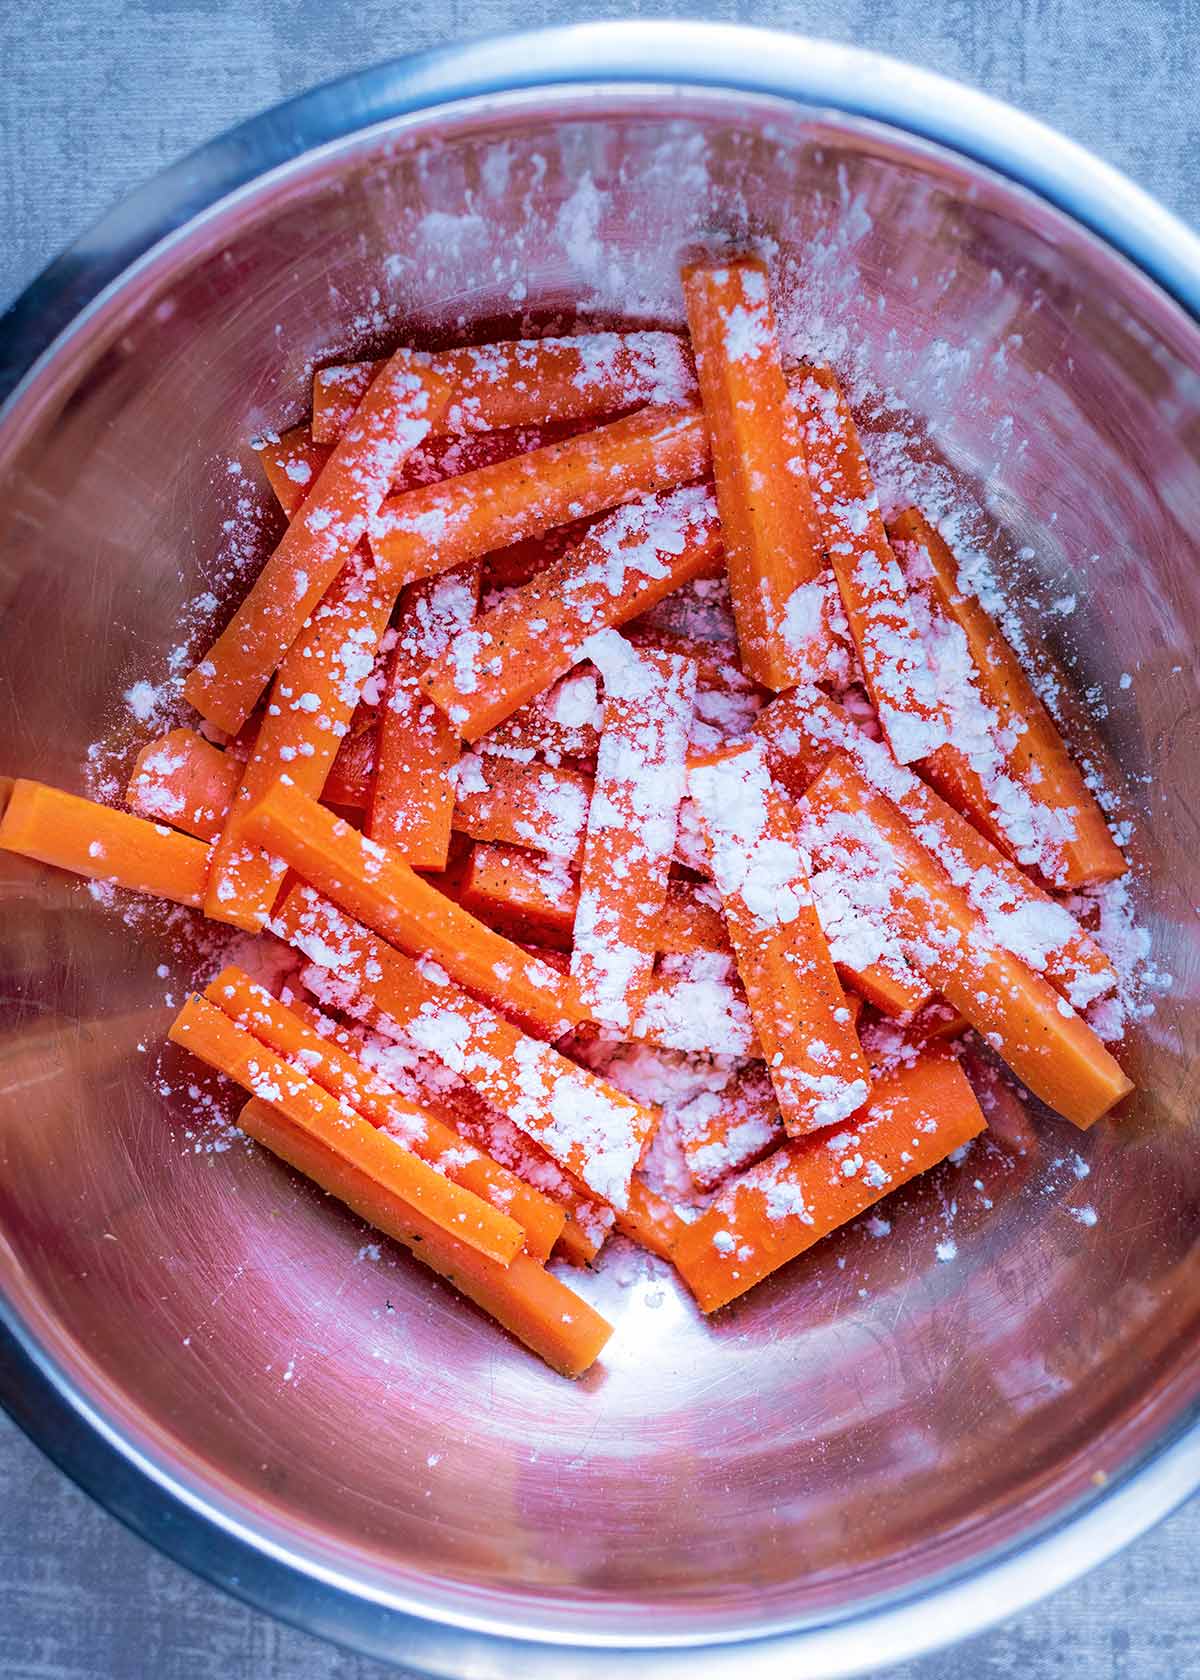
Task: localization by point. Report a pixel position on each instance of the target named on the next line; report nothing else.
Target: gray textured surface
(95, 96)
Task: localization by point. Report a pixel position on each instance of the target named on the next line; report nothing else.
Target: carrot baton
(807, 1035)
(853, 828)
(771, 540)
(522, 894)
(353, 769)
(591, 1129)
(304, 1039)
(210, 1034)
(292, 463)
(183, 780)
(722, 1132)
(874, 593)
(378, 887)
(627, 561)
(105, 845)
(312, 701)
(803, 729)
(545, 1200)
(542, 806)
(631, 823)
(412, 794)
(527, 381)
(805, 1189)
(560, 722)
(528, 1301)
(1014, 777)
(427, 530)
(391, 420)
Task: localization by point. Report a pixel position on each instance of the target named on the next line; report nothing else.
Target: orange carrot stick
(535, 805)
(561, 722)
(691, 921)
(627, 562)
(773, 555)
(700, 1011)
(808, 1039)
(294, 1034)
(389, 423)
(1005, 765)
(649, 1219)
(592, 1130)
(527, 1300)
(183, 780)
(292, 464)
(522, 894)
(804, 728)
(888, 983)
(377, 886)
(524, 382)
(427, 530)
(353, 769)
(210, 1034)
(631, 824)
(105, 845)
(532, 897)
(797, 1195)
(850, 826)
(427, 1082)
(899, 675)
(311, 703)
(722, 1132)
(412, 795)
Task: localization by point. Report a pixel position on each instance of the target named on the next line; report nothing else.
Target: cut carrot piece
(721, 1132)
(428, 1082)
(772, 552)
(700, 1010)
(378, 887)
(626, 562)
(561, 722)
(1006, 766)
(526, 1299)
(353, 769)
(312, 701)
(526, 381)
(536, 805)
(894, 660)
(804, 728)
(691, 921)
(808, 1039)
(797, 1195)
(427, 530)
(853, 828)
(292, 464)
(649, 1219)
(209, 1033)
(389, 423)
(105, 845)
(412, 796)
(523, 894)
(888, 983)
(576, 1246)
(631, 823)
(184, 781)
(532, 897)
(592, 1130)
(294, 1036)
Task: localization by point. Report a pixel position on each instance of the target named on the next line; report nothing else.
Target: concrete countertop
(96, 95)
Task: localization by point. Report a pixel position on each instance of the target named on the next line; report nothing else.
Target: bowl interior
(897, 1402)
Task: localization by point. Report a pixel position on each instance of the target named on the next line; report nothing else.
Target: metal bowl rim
(847, 81)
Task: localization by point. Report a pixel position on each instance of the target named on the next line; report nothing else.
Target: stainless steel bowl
(877, 1451)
